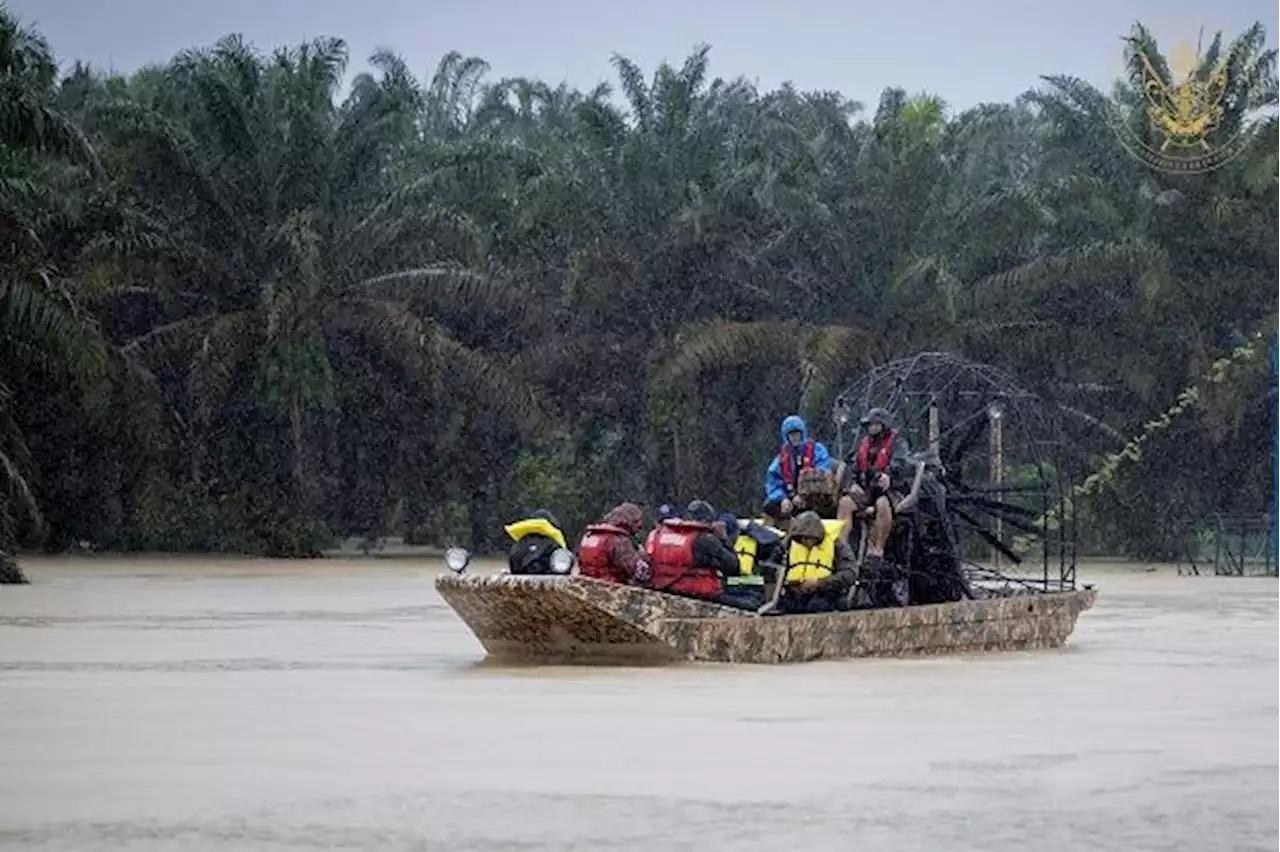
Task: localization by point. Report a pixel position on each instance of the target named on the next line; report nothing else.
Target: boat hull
(568, 620)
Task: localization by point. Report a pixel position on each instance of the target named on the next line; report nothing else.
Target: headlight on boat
(561, 561)
(457, 558)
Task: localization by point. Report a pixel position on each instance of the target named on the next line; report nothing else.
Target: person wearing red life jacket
(608, 549)
(876, 471)
(782, 479)
(692, 557)
(665, 512)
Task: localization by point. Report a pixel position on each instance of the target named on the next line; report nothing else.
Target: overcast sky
(967, 51)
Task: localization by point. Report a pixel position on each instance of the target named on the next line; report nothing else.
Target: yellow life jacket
(817, 562)
(745, 546)
(535, 526)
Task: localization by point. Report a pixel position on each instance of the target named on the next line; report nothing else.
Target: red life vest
(674, 570)
(595, 553)
(784, 461)
(883, 453)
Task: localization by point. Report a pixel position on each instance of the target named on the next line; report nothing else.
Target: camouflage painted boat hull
(579, 620)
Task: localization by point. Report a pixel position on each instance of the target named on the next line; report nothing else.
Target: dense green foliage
(241, 310)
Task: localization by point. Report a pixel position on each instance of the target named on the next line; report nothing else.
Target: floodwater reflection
(186, 704)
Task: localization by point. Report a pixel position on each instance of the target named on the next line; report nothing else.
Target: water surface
(198, 704)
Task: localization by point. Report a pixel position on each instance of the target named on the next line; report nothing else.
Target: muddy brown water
(197, 704)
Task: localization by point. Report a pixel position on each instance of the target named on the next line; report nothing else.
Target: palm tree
(1199, 271)
(285, 201)
(41, 327)
(370, 301)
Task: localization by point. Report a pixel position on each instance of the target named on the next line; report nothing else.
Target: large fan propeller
(973, 507)
(979, 427)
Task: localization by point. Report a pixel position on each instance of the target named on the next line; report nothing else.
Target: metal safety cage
(999, 469)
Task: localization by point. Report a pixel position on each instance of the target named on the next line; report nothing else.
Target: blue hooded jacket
(775, 490)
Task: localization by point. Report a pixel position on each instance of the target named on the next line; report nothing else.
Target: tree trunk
(197, 460)
(675, 445)
(10, 573)
(299, 470)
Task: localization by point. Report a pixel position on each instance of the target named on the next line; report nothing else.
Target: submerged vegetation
(240, 310)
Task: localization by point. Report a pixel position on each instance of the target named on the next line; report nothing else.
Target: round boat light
(457, 558)
(561, 561)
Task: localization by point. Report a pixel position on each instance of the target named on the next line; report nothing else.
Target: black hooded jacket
(709, 549)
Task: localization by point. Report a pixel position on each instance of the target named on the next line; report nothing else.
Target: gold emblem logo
(1179, 126)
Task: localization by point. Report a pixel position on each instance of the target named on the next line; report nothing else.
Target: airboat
(988, 550)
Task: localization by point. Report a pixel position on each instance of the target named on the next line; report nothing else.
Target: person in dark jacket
(533, 540)
(712, 550)
(691, 556)
(821, 567)
(746, 588)
(765, 543)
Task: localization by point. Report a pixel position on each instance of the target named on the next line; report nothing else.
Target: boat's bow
(572, 619)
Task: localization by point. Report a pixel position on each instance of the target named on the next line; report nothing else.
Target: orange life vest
(674, 569)
(595, 552)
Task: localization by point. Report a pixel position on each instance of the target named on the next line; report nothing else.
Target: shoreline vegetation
(241, 312)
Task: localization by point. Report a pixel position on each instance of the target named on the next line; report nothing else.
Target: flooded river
(256, 705)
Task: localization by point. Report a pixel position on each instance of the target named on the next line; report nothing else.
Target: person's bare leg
(880, 527)
(853, 503)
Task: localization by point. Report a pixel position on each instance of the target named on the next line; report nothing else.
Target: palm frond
(635, 89)
(832, 354)
(17, 497)
(449, 286)
(177, 154)
(222, 347)
(19, 494)
(27, 123)
(177, 343)
(1079, 267)
(721, 345)
(821, 355)
(35, 309)
(427, 354)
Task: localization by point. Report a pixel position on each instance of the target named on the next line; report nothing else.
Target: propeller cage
(995, 500)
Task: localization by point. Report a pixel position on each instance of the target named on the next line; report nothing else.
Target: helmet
(876, 415)
(700, 511)
(545, 514)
